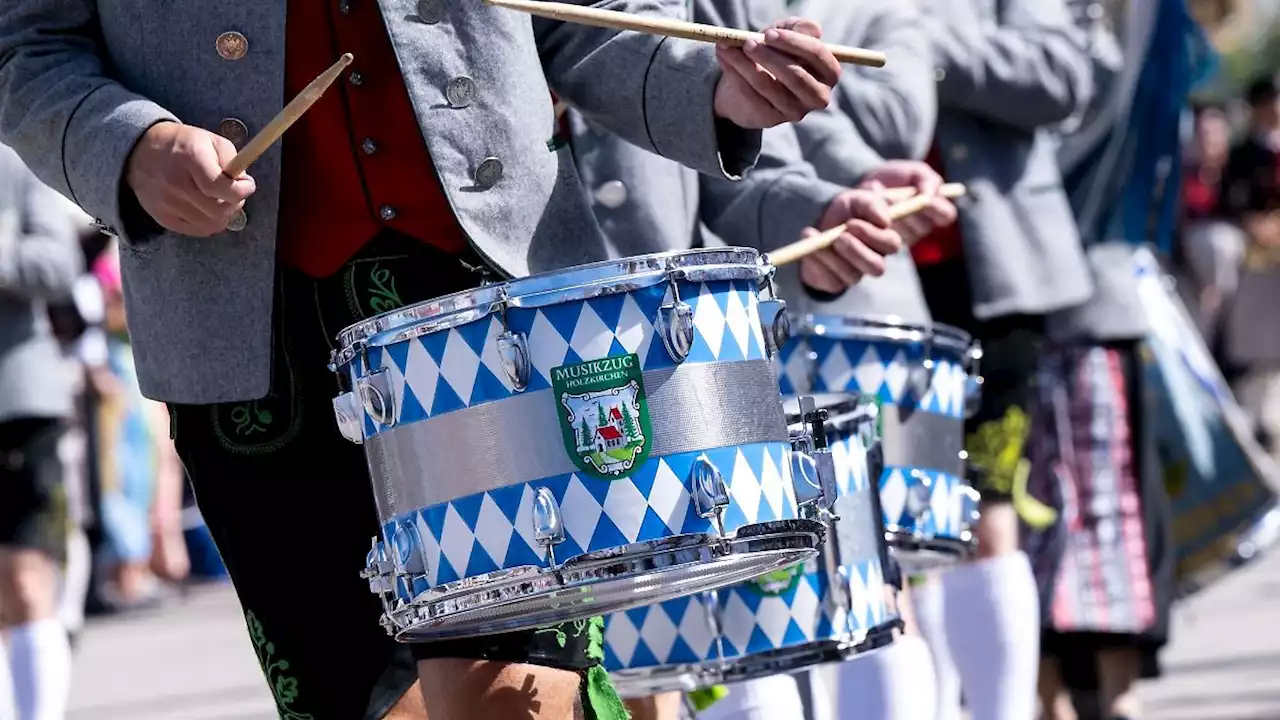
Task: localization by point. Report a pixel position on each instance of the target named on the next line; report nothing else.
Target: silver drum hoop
(890, 328)
(575, 283)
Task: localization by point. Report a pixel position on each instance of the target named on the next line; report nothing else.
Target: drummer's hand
(778, 81)
(175, 171)
(941, 212)
(860, 251)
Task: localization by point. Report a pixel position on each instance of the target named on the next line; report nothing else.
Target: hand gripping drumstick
(287, 117)
(668, 27)
(912, 205)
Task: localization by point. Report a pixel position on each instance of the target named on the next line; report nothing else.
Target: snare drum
(827, 609)
(572, 444)
(926, 381)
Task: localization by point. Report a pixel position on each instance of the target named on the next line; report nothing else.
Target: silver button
(387, 212)
(939, 75)
(612, 194)
(461, 91)
(369, 146)
(344, 7)
(1095, 11)
(489, 172)
(238, 221)
(232, 45)
(234, 130)
(356, 78)
(959, 153)
(431, 11)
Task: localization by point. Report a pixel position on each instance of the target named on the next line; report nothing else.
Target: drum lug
(675, 324)
(406, 550)
(973, 380)
(824, 466)
(513, 349)
(548, 525)
(970, 501)
(917, 501)
(804, 479)
(710, 494)
(377, 571)
(775, 324)
(920, 377)
(377, 398)
(346, 409)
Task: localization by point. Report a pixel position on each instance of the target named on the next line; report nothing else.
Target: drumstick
(803, 248)
(668, 27)
(898, 194)
(287, 117)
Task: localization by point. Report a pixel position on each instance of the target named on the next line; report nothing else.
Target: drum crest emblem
(778, 582)
(604, 415)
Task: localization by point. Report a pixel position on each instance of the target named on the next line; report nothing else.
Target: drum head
(886, 329)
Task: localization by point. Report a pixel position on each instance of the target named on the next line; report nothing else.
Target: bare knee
(467, 689)
(28, 587)
(656, 707)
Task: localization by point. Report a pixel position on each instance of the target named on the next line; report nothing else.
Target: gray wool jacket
(82, 80)
(40, 259)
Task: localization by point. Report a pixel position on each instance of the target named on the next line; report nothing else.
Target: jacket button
(355, 78)
(368, 146)
(387, 213)
(959, 153)
(431, 11)
(461, 91)
(939, 75)
(234, 130)
(612, 194)
(489, 172)
(238, 221)
(232, 45)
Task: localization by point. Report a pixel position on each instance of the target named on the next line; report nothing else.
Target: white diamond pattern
(836, 369)
(709, 319)
(546, 346)
(739, 622)
(493, 531)
(669, 498)
(421, 374)
(805, 608)
(893, 496)
(773, 616)
(635, 329)
(625, 507)
(694, 628)
(896, 376)
(774, 488)
(580, 511)
(736, 318)
(524, 522)
(456, 541)
(459, 365)
(490, 358)
(622, 637)
(745, 487)
(430, 550)
(397, 383)
(659, 633)
(591, 337)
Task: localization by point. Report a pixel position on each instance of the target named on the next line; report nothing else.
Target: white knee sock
(895, 683)
(927, 600)
(992, 613)
(40, 664)
(771, 698)
(6, 687)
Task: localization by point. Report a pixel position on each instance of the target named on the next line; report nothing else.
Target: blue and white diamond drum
(826, 609)
(573, 443)
(927, 381)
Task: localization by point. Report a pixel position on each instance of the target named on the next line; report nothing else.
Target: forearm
(71, 123)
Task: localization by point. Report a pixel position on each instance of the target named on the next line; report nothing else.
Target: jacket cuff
(792, 203)
(99, 138)
(679, 109)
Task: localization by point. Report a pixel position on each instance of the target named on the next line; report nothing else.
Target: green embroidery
(384, 296)
(249, 418)
(284, 687)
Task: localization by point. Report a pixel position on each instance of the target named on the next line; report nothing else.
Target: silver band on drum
(923, 440)
(518, 440)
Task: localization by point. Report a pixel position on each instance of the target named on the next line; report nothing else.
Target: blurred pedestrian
(39, 262)
(141, 478)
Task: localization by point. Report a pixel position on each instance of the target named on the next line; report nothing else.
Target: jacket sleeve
(893, 108)
(657, 93)
(1031, 70)
(774, 203)
(41, 259)
(71, 123)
